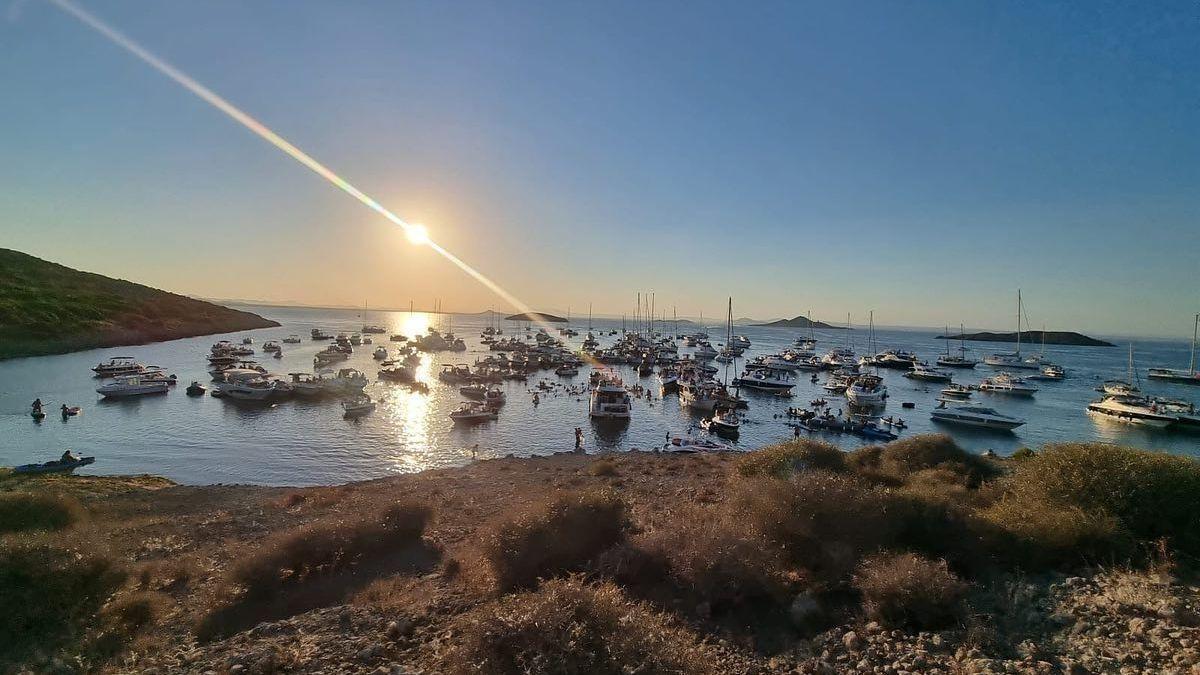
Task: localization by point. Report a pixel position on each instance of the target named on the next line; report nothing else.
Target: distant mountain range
(46, 308)
(535, 316)
(800, 322)
(1053, 337)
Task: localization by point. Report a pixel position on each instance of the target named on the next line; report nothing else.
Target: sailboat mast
(1018, 322)
(1195, 328)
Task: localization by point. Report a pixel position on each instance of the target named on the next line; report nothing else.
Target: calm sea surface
(299, 442)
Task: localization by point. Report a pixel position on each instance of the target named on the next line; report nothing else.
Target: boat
(380, 354)
(251, 389)
(1178, 375)
(1005, 383)
(474, 391)
(346, 381)
(668, 379)
(724, 422)
(292, 340)
(765, 379)
(1127, 387)
(247, 340)
(494, 398)
(867, 390)
(566, 370)
(1137, 410)
(56, 466)
(373, 329)
(196, 389)
(473, 411)
(897, 359)
(960, 360)
(271, 346)
(926, 373)
(956, 391)
(358, 406)
(609, 400)
(318, 334)
(278, 354)
(132, 385)
(398, 338)
(306, 384)
(118, 365)
(397, 373)
(1185, 412)
(689, 444)
(705, 351)
(70, 410)
(1050, 372)
(976, 416)
(701, 396)
(1013, 359)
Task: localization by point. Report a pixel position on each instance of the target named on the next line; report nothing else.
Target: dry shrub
(167, 575)
(711, 558)
(50, 587)
(1046, 534)
(1152, 495)
(562, 534)
(821, 521)
(31, 511)
(901, 458)
(784, 459)
(568, 627)
(290, 558)
(907, 590)
(603, 467)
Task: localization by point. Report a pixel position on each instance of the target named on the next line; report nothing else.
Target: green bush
(49, 588)
(901, 458)
(1151, 495)
(28, 511)
(1049, 534)
(908, 591)
(784, 459)
(562, 534)
(568, 627)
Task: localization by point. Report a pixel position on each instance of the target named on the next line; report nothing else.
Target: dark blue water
(299, 442)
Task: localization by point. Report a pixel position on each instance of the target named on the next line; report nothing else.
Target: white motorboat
(1126, 387)
(725, 422)
(397, 373)
(118, 365)
(956, 391)
(347, 381)
(610, 400)
(689, 444)
(780, 362)
(566, 370)
(927, 373)
(292, 340)
(372, 329)
(705, 351)
(306, 384)
(271, 346)
(473, 411)
(380, 354)
(740, 342)
(1005, 383)
(1137, 410)
(976, 416)
(1179, 375)
(132, 385)
(867, 390)
(1050, 372)
(494, 397)
(839, 357)
(318, 334)
(766, 379)
(358, 406)
(252, 389)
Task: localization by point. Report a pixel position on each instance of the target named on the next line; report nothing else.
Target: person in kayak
(37, 404)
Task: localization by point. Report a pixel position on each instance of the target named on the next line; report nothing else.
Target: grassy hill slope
(46, 308)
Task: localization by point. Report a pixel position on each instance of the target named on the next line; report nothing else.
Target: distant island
(800, 322)
(1053, 337)
(535, 316)
(46, 308)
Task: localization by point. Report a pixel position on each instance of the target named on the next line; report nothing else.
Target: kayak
(56, 466)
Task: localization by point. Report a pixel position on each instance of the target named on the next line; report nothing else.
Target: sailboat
(729, 352)
(1179, 376)
(1128, 386)
(1013, 359)
(961, 360)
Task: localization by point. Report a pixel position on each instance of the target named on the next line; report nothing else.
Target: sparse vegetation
(907, 590)
(603, 467)
(567, 626)
(783, 459)
(25, 511)
(562, 534)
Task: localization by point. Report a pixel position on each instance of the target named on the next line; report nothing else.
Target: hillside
(1053, 337)
(535, 316)
(800, 322)
(46, 308)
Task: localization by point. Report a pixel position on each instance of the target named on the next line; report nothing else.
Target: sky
(919, 159)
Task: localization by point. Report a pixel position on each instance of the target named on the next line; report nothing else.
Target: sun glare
(417, 234)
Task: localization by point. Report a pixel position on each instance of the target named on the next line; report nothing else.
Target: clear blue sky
(922, 159)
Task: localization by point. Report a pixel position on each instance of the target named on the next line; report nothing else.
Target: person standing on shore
(578, 438)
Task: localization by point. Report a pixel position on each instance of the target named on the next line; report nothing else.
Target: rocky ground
(1107, 621)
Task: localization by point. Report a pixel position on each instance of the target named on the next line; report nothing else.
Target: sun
(417, 234)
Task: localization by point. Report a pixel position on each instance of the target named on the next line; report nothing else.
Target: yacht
(132, 385)
(566, 370)
(397, 373)
(373, 329)
(705, 351)
(292, 340)
(926, 373)
(740, 342)
(318, 334)
(722, 423)
(251, 389)
(473, 411)
(780, 362)
(1132, 410)
(1013, 360)
(306, 384)
(960, 359)
(668, 379)
(347, 381)
(894, 358)
(1050, 372)
(118, 365)
(329, 355)
(839, 357)
(358, 406)
(959, 391)
(867, 390)
(474, 391)
(701, 396)
(609, 399)
(271, 346)
(976, 416)
(1005, 383)
(1178, 375)
(765, 379)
